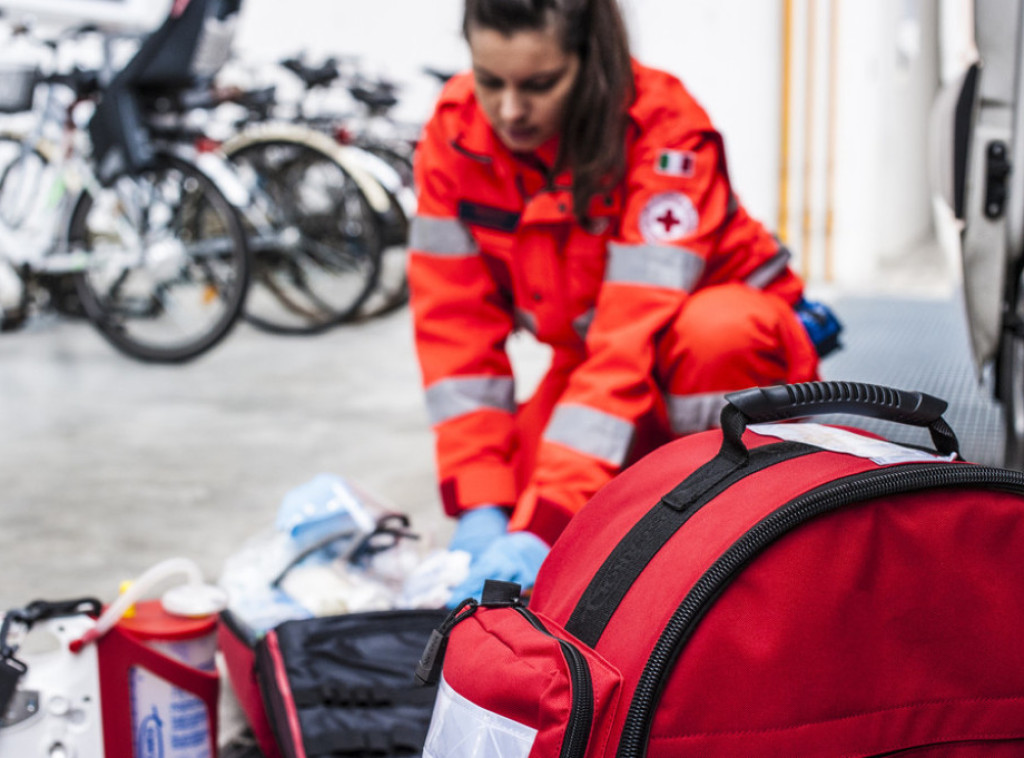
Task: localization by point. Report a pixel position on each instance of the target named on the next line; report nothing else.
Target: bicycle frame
(71, 174)
(63, 177)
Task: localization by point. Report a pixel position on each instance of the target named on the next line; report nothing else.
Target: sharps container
(167, 720)
(159, 684)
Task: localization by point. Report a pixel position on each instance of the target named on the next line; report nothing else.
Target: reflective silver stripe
(694, 413)
(657, 265)
(591, 432)
(458, 396)
(441, 236)
(459, 728)
(525, 320)
(581, 324)
(765, 274)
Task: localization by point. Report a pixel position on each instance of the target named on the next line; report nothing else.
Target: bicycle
(312, 215)
(155, 252)
(977, 138)
(385, 149)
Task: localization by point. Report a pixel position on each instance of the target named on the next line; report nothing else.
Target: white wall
(395, 38)
(398, 37)
(889, 78)
(729, 52)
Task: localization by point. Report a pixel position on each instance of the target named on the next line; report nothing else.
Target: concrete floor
(108, 466)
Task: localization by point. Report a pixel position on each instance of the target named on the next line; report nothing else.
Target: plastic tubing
(135, 592)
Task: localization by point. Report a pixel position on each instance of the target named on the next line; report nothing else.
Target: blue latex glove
(514, 557)
(821, 324)
(478, 528)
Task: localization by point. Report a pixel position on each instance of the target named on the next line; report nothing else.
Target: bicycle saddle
(313, 76)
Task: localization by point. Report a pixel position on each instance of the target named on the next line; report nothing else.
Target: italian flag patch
(676, 163)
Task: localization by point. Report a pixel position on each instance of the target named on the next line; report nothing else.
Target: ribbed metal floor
(917, 344)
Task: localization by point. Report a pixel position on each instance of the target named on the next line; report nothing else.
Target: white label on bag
(843, 441)
(462, 729)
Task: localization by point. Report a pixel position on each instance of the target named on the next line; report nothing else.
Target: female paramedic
(568, 190)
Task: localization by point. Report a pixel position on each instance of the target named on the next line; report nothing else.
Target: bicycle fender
(370, 186)
(219, 170)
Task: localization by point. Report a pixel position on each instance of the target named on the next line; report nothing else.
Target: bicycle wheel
(166, 262)
(1010, 372)
(317, 257)
(27, 201)
(392, 290)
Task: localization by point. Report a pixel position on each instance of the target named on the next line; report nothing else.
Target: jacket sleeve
(461, 322)
(678, 202)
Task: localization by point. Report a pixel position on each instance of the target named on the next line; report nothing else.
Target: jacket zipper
(830, 497)
(581, 716)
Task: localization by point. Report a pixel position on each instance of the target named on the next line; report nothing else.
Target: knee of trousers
(730, 337)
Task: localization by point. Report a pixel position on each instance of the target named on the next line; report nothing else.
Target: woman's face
(523, 83)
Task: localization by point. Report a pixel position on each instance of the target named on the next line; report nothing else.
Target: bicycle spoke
(319, 225)
(170, 267)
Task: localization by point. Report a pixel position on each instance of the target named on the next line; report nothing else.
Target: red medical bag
(770, 590)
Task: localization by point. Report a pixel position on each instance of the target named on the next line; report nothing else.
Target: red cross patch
(667, 217)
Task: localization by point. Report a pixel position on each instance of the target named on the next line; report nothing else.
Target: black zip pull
(428, 670)
(499, 594)
(11, 671)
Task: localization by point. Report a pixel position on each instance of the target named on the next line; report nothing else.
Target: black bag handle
(785, 401)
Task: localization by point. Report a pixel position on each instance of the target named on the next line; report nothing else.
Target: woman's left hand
(514, 557)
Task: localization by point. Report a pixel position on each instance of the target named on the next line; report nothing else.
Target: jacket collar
(476, 140)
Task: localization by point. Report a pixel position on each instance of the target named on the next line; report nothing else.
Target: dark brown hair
(593, 144)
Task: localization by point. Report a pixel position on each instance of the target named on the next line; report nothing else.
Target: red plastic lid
(152, 622)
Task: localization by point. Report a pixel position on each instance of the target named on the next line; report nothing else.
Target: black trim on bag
(339, 694)
(581, 714)
(896, 480)
(266, 663)
(365, 742)
(630, 557)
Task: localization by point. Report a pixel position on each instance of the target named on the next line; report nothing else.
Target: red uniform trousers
(726, 338)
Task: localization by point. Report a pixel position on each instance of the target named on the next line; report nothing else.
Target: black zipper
(891, 481)
(428, 670)
(581, 716)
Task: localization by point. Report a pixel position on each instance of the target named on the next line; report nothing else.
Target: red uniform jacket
(495, 247)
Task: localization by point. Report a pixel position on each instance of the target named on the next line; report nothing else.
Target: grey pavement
(108, 465)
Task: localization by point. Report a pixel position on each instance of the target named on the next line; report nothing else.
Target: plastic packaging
(334, 548)
(316, 523)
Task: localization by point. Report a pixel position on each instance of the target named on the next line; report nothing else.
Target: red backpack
(790, 589)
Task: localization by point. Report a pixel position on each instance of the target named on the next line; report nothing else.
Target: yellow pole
(833, 46)
(805, 241)
(787, 64)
